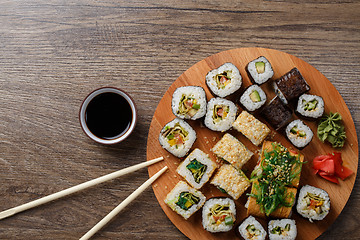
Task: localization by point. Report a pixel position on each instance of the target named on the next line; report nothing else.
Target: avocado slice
(260, 67)
(255, 96)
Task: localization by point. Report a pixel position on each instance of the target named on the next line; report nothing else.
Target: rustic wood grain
(53, 53)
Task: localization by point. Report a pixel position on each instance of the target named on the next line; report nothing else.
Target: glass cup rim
(91, 96)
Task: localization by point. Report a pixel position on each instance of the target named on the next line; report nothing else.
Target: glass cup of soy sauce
(108, 115)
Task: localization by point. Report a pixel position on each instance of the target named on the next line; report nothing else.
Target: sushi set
(248, 148)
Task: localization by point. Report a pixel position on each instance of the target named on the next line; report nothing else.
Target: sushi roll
(299, 133)
(218, 215)
(251, 229)
(284, 229)
(230, 149)
(310, 106)
(177, 137)
(251, 128)
(197, 168)
(259, 70)
(313, 203)
(189, 102)
(276, 113)
(224, 80)
(253, 98)
(185, 200)
(231, 181)
(290, 86)
(220, 114)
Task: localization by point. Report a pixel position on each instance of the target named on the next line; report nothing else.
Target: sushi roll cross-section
(298, 133)
(218, 215)
(177, 137)
(224, 81)
(251, 128)
(231, 181)
(310, 106)
(189, 102)
(253, 98)
(197, 168)
(230, 149)
(260, 70)
(283, 229)
(251, 229)
(220, 114)
(185, 200)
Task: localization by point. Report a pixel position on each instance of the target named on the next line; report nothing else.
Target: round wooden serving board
(281, 63)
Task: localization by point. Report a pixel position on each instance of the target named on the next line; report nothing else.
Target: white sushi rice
(224, 123)
(233, 74)
(285, 235)
(251, 229)
(202, 158)
(314, 113)
(260, 78)
(173, 197)
(182, 150)
(303, 203)
(296, 140)
(249, 104)
(195, 92)
(207, 219)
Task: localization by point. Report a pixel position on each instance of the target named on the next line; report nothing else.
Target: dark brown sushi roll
(276, 113)
(290, 86)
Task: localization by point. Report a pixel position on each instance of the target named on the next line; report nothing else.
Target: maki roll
(259, 70)
(299, 133)
(185, 200)
(253, 98)
(220, 114)
(197, 168)
(310, 106)
(284, 229)
(189, 102)
(251, 128)
(276, 113)
(177, 137)
(224, 80)
(251, 229)
(230, 149)
(313, 203)
(231, 181)
(290, 86)
(218, 215)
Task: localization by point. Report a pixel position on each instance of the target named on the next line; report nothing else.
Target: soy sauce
(108, 115)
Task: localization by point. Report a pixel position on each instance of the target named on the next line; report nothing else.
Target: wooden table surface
(53, 53)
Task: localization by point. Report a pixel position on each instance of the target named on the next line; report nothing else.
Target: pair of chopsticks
(85, 185)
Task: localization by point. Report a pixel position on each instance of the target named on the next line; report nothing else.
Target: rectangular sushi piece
(290, 86)
(177, 137)
(259, 70)
(251, 128)
(197, 168)
(185, 200)
(230, 149)
(231, 181)
(276, 113)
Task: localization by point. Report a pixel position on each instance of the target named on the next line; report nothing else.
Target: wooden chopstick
(122, 205)
(71, 190)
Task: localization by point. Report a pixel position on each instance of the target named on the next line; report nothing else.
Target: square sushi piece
(283, 229)
(197, 168)
(276, 113)
(231, 181)
(251, 128)
(259, 70)
(177, 137)
(224, 81)
(290, 86)
(185, 200)
(230, 149)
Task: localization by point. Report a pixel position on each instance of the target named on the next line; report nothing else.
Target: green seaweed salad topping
(271, 178)
(331, 129)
